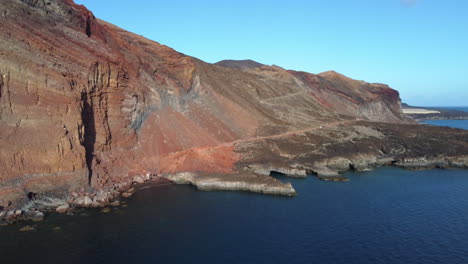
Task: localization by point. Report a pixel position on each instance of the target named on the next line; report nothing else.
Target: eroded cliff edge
(87, 106)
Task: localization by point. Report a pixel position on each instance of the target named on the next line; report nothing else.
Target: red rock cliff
(85, 102)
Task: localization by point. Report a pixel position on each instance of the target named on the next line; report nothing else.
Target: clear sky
(419, 47)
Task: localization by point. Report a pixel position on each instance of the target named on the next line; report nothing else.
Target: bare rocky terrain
(87, 109)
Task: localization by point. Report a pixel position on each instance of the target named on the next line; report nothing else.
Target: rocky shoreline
(38, 207)
(325, 153)
(256, 178)
(427, 117)
(259, 178)
(332, 170)
(242, 181)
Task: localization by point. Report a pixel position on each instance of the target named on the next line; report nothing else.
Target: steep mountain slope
(85, 104)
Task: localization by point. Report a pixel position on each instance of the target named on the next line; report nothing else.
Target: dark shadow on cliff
(88, 27)
(88, 139)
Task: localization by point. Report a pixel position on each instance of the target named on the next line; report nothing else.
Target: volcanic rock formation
(87, 105)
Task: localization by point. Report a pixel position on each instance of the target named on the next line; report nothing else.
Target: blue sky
(419, 47)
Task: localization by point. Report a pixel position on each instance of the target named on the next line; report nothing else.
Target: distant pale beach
(418, 111)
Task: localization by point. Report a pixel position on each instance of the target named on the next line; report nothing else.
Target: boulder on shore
(63, 208)
(84, 201)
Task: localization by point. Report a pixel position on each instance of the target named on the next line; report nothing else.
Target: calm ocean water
(458, 108)
(463, 124)
(384, 216)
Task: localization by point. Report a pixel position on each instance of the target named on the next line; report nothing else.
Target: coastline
(435, 113)
(361, 146)
(253, 179)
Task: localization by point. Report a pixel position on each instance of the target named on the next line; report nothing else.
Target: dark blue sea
(387, 215)
(458, 108)
(463, 124)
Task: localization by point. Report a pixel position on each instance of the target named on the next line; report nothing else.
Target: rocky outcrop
(269, 170)
(438, 161)
(362, 146)
(235, 182)
(86, 106)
